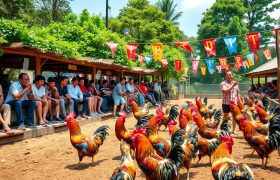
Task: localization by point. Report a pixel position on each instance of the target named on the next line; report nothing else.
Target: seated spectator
(52, 93)
(98, 84)
(157, 91)
(112, 85)
(6, 112)
(40, 96)
(165, 89)
(140, 95)
(134, 93)
(89, 96)
(106, 93)
(64, 97)
(118, 96)
(77, 96)
(96, 94)
(21, 95)
(147, 94)
(5, 82)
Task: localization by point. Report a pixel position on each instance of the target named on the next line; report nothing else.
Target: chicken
(154, 166)
(224, 167)
(217, 117)
(184, 117)
(137, 113)
(240, 104)
(249, 102)
(206, 132)
(121, 132)
(263, 116)
(164, 120)
(264, 145)
(204, 111)
(127, 168)
(86, 146)
(206, 147)
(159, 143)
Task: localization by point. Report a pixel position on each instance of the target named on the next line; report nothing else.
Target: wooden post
(139, 78)
(258, 79)
(252, 79)
(93, 73)
(265, 79)
(121, 74)
(153, 78)
(38, 65)
(278, 61)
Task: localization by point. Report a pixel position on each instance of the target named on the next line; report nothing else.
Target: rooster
(164, 120)
(179, 138)
(204, 111)
(264, 145)
(121, 132)
(206, 132)
(184, 117)
(155, 166)
(137, 113)
(127, 168)
(263, 116)
(224, 167)
(217, 117)
(249, 102)
(206, 147)
(86, 146)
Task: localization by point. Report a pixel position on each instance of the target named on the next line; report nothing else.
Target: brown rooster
(164, 120)
(86, 146)
(264, 145)
(127, 168)
(224, 167)
(121, 132)
(137, 112)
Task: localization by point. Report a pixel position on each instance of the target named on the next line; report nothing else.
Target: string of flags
(253, 40)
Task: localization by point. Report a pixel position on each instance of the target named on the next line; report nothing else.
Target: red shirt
(143, 88)
(83, 89)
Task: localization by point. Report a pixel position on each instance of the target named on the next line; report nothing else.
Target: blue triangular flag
(148, 59)
(210, 65)
(231, 44)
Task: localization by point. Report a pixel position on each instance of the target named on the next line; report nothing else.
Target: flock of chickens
(201, 131)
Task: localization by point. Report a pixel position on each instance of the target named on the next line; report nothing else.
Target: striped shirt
(232, 95)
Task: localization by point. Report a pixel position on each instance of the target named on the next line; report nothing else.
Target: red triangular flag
(131, 51)
(267, 54)
(178, 65)
(184, 45)
(210, 46)
(254, 41)
(223, 62)
(113, 47)
(141, 58)
(164, 63)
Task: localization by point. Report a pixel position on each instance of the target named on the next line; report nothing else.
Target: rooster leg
(199, 158)
(188, 173)
(252, 153)
(92, 160)
(262, 162)
(210, 160)
(266, 162)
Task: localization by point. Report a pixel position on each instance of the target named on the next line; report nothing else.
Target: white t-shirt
(38, 93)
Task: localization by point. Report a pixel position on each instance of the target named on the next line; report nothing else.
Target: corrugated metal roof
(269, 67)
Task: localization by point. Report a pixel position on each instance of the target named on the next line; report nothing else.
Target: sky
(192, 10)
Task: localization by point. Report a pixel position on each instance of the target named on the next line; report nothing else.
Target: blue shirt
(130, 88)
(61, 92)
(74, 92)
(118, 89)
(16, 88)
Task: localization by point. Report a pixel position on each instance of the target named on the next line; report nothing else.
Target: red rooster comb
(139, 131)
(159, 111)
(122, 114)
(70, 115)
(172, 122)
(131, 101)
(227, 139)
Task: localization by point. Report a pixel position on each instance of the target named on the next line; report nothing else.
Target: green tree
(224, 18)
(257, 15)
(52, 10)
(169, 8)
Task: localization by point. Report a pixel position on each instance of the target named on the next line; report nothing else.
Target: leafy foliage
(169, 8)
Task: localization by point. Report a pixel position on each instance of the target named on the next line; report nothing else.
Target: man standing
(118, 96)
(77, 96)
(230, 92)
(20, 95)
(63, 96)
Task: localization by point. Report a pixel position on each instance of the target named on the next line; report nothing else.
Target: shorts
(226, 108)
(118, 100)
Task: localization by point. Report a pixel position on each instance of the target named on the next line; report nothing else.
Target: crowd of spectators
(269, 88)
(53, 99)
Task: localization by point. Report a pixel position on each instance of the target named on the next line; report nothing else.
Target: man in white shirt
(42, 104)
(20, 95)
(77, 96)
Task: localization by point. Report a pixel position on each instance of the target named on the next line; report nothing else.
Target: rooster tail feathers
(101, 132)
(173, 113)
(177, 138)
(218, 116)
(235, 171)
(274, 132)
(213, 144)
(122, 176)
(169, 167)
(225, 127)
(205, 100)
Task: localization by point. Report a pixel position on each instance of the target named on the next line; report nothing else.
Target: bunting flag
(184, 45)
(256, 57)
(141, 58)
(203, 70)
(210, 46)
(267, 54)
(245, 65)
(178, 65)
(164, 63)
(236, 66)
(210, 65)
(148, 59)
(113, 47)
(157, 51)
(186, 69)
(223, 62)
(219, 69)
(250, 59)
(238, 59)
(254, 41)
(231, 44)
(195, 66)
(131, 51)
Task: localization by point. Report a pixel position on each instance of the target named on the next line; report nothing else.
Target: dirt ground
(53, 157)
